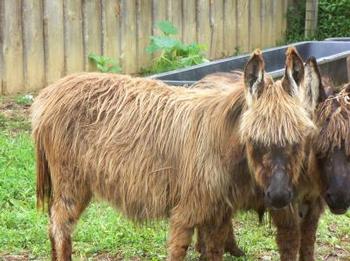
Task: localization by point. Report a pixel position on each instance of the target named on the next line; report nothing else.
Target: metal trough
(331, 56)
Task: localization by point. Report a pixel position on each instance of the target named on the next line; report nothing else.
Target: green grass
(101, 229)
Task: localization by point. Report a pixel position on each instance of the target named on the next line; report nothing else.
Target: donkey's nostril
(328, 196)
(268, 194)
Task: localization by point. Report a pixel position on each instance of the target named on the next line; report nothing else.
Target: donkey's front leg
(288, 233)
(180, 236)
(214, 236)
(308, 227)
(231, 246)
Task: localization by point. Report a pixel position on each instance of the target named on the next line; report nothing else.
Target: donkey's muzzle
(278, 199)
(279, 193)
(337, 202)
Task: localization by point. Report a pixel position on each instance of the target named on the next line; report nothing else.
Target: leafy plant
(25, 99)
(104, 64)
(172, 53)
(332, 20)
(295, 22)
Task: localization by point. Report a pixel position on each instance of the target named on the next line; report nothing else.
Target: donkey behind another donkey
(326, 169)
(156, 151)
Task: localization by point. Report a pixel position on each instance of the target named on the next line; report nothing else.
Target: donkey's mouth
(338, 211)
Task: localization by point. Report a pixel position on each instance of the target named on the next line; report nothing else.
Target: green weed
(104, 64)
(170, 52)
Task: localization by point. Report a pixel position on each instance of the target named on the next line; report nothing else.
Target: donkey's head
(332, 146)
(274, 127)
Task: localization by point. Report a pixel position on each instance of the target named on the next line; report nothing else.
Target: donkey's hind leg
(65, 211)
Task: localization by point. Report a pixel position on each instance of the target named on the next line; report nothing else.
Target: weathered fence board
(174, 15)
(203, 24)
(43, 40)
(217, 29)
(144, 30)
(111, 29)
(13, 80)
(128, 45)
(189, 19)
(230, 26)
(54, 40)
(92, 30)
(33, 47)
(243, 28)
(255, 25)
(74, 49)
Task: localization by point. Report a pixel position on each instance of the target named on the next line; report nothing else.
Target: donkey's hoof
(235, 251)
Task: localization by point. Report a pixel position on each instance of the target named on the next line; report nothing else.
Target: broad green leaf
(167, 28)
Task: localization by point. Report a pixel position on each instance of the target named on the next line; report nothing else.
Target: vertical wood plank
(159, 13)
(1, 46)
(189, 21)
(217, 28)
(272, 24)
(174, 10)
(254, 25)
(242, 23)
(265, 26)
(34, 67)
(12, 48)
(54, 40)
(284, 20)
(129, 41)
(203, 24)
(92, 31)
(74, 50)
(277, 21)
(144, 31)
(111, 29)
(230, 30)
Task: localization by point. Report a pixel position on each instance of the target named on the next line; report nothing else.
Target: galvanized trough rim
(275, 74)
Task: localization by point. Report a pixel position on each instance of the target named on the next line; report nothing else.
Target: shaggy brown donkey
(156, 151)
(327, 172)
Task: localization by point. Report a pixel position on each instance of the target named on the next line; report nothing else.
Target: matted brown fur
(297, 226)
(151, 150)
(335, 110)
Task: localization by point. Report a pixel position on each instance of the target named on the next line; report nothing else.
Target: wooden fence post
(311, 13)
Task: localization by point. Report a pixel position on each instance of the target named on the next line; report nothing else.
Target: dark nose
(337, 202)
(279, 198)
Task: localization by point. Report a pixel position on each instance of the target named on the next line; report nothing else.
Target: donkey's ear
(294, 72)
(313, 91)
(254, 75)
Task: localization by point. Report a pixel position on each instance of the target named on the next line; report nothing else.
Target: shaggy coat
(297, 225)
(155, 151)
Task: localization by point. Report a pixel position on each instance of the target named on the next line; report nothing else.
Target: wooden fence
(43, 40)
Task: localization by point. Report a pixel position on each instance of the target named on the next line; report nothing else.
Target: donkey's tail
(43, 178)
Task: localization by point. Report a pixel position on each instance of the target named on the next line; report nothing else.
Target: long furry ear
(254, 76)
(313, 91)
(294, 72)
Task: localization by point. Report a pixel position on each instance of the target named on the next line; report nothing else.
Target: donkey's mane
(281, 122)
(333, 117)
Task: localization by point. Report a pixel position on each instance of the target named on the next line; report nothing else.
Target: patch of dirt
(334, 253)
(8, 257)
(10, 109)
(109, 257)
(14, 116)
